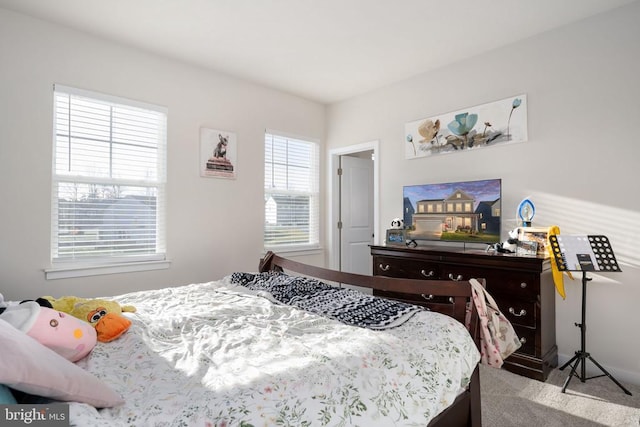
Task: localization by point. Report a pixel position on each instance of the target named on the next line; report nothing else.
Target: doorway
(354, 207)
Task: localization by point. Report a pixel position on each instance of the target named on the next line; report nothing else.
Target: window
(291, 193)
(109, 177)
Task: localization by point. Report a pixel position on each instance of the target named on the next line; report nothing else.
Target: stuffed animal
(510, 245)
(397, 224)
(104, 315)
(62, 333)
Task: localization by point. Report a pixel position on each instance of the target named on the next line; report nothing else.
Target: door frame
(334, 196)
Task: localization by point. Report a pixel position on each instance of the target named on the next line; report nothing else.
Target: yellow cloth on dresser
(558, 278)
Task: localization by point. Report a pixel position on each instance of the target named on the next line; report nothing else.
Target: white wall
(580, 164)
(214, 225)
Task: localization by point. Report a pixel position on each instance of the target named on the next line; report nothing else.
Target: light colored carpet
(510, 400)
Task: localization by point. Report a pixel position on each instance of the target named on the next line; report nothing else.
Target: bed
(246, 351)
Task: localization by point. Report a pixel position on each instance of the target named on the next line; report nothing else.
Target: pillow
(28, 366)
(6, 397)
(71, 338)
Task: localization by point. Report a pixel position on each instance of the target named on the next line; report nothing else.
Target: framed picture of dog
(218, 151)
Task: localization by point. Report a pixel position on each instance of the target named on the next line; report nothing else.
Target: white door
(356, 214)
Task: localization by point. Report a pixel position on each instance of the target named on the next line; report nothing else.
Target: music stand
(584, 253)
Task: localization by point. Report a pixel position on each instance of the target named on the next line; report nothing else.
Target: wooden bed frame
(465, 410)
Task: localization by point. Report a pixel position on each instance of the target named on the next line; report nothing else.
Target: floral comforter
(215, 354)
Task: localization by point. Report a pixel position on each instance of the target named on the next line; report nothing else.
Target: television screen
(467, 211)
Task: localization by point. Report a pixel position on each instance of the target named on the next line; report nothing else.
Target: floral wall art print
(496, 123)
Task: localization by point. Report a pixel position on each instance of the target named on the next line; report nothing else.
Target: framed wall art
(492, 124)
(218, 151)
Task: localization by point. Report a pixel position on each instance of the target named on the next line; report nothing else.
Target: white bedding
(214, 354)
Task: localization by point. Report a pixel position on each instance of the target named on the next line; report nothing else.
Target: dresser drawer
(424, 300)
(397, 267)
(519, 312)
(521, 285)
(527, 337)
(437, 304)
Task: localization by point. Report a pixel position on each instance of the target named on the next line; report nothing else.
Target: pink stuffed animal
(66, 335)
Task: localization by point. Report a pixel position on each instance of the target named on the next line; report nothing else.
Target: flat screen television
(465, 211)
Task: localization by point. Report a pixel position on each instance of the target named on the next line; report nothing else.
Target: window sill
(97, 270)
(295, 251)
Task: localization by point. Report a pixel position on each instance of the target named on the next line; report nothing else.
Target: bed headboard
(458, 293)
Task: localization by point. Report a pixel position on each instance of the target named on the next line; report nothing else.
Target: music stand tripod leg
(582, 355)
(569, 362)
(578, 359)
(609, 375)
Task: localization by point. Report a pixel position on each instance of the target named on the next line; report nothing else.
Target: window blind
(291, 192)
(109, 178)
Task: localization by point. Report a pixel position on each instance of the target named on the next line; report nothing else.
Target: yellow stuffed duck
(104, 315)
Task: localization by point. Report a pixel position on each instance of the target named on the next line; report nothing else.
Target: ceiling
(323, 50)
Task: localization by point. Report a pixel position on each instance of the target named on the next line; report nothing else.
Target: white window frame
(72, 266)
(313, 192)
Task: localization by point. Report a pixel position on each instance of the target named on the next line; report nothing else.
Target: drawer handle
(523, 340)
(456, 279)
(523, 285)
(522, 312)
(429, 274)
(384, 267)
(427, 297)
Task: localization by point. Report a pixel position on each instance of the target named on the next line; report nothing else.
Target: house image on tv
(432, 217)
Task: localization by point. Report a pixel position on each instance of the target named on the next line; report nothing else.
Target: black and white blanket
(346, 305)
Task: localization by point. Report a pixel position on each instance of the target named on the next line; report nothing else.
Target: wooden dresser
(522, 286)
